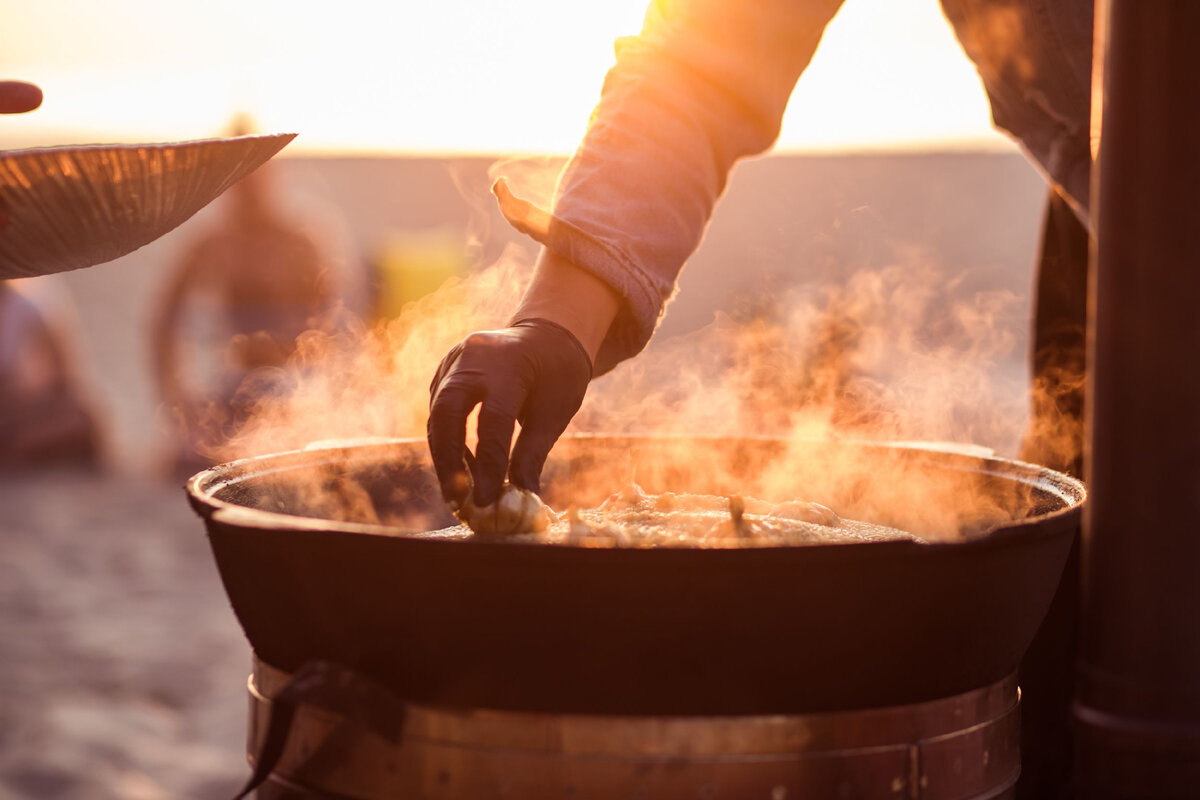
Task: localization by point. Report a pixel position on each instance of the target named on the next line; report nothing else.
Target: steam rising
(349, 381)
(891, 354)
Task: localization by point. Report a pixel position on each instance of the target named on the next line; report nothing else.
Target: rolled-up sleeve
(704, 84)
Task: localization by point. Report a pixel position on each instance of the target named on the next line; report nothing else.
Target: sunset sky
(441, 77)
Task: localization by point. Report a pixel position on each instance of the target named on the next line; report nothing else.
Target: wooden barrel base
(964, 747)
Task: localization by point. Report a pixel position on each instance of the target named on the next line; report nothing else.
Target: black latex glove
(535, 372)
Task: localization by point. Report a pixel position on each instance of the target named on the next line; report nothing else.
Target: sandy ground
(122, 667)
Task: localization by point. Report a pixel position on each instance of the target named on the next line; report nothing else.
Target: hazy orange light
(452, 76)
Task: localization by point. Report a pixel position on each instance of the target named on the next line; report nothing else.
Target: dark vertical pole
(1138, 698)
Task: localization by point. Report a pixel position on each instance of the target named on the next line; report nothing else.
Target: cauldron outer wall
(778, 630)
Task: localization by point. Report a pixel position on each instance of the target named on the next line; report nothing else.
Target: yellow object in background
(412, 264)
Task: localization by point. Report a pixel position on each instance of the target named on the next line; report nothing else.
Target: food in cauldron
(633, 518)
(515, 511)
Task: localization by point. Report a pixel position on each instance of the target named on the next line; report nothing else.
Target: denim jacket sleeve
(704, 84)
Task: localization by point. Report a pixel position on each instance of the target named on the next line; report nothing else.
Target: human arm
(703, 85)
(562, 293)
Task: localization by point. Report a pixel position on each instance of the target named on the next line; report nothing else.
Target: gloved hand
(535, 372)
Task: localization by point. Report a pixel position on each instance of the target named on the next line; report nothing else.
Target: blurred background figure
(232, 311)
(43, 418)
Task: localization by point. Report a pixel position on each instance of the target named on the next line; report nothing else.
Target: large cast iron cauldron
(487, 624)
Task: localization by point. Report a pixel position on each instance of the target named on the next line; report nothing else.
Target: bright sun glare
(447, 77)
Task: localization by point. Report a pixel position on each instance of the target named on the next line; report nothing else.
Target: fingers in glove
(529, 456)
(448, 363)
(552, 403)
(496, 424)
(447, 432)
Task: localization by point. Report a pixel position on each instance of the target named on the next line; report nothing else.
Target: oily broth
(635, 519)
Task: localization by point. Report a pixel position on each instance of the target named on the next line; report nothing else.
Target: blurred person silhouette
(43, 418)
(703, 85)
(233, 309)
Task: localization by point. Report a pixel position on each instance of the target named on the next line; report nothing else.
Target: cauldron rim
(203, 487)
